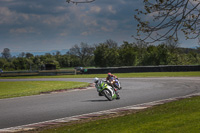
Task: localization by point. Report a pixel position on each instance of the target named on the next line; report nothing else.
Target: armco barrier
(104, 70)
(56, 72)
(18, 73)
(143, 69)
(38, 73)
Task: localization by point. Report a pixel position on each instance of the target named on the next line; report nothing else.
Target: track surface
(38, 108)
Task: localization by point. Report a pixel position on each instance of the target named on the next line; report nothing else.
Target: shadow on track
(96, 100)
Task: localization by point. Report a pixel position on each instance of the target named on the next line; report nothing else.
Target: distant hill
(63, 51)
(188, 50)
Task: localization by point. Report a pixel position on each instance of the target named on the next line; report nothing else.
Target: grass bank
(179, 116)
(120, 75)
(27, 88)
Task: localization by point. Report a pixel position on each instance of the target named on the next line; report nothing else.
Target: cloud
(22, 30)
(123, 2)
(106, 29)
(11, 17)
(90, 22)
(85, 33)
(111, 10)
(26, 22)
(7, 0)
(6, 16)
(95, 9)
(60, 8)
(55, 20)
(63, 34)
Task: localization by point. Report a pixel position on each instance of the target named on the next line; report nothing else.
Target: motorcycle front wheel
(108, 94)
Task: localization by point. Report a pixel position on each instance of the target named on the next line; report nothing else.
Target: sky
(46, 25)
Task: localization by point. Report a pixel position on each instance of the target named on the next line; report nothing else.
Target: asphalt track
(38, 108)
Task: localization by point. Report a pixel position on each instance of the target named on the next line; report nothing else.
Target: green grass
(27, 88)
(120, 75)
(176, 117)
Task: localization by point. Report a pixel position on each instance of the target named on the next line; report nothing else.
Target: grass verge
(179, 116)
(27, 88)
(120, 75)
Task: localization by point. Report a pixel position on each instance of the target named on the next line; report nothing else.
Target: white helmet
(96, 80)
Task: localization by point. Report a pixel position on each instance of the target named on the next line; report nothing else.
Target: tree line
(107, 54)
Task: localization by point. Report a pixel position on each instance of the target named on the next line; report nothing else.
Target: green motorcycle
(105, 90)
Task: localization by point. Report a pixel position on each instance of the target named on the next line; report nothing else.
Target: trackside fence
(39, 73)
(143, 69)
(103, 70)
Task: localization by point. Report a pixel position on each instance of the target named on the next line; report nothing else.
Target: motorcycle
(109, 92)
(115, 83)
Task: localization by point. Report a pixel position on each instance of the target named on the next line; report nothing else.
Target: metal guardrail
(38, 73)
(56, 72)
(104, 70)
(132, 69)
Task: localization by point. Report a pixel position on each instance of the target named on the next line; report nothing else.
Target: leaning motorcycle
(108, 92)
(115, 83)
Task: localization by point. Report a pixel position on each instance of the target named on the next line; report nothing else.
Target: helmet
(96, 80)
(109, 74)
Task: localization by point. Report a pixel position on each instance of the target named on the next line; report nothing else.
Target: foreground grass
(120, 75)
(27, 88)
(179, 116)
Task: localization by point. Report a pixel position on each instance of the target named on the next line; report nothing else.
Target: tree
(151, 56)
(193, 57)
(172, 45)
(112, 53)
(8, 66)
(83, 51)
(173, 49)
(22, 54)
(20, 63)
(2, 62)
(99, 55)
(106, 54)
(163, 54)
(6, 53)
(29, 55)
(49, 59)
(155, 55)
(127, 54)
(168, 17)
(141, 48)
(37, 63)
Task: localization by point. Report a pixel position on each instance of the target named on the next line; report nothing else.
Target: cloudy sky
(45, 25)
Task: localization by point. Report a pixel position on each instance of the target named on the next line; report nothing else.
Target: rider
(98, 84)
(110, 77)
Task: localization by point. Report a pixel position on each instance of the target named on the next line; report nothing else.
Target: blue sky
(45, 25)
